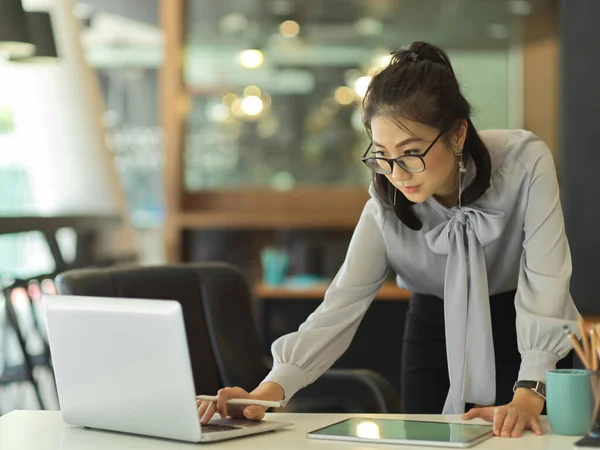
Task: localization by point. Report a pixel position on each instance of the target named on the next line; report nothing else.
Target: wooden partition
(327, 208)
(171, 94)
(541, 67)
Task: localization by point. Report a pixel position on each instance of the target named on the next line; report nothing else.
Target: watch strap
(538, 387)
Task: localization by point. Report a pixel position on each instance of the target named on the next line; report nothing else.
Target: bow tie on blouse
(469, 341)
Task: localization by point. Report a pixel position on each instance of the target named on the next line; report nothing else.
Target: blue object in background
(275, 264)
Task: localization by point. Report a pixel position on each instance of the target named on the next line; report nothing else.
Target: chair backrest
(223, 342)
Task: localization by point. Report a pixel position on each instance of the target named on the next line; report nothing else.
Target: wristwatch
(536, 386)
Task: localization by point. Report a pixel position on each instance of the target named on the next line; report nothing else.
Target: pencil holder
(592, 439)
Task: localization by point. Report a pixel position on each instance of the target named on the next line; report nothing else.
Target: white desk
(45, 430)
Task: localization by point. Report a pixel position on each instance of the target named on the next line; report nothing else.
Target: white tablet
(409, 432)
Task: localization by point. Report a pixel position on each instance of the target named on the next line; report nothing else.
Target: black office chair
(24, 371)
(223, 340)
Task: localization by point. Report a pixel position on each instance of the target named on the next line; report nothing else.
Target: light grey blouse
(513, 237)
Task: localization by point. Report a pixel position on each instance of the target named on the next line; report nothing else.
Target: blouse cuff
(289, 377)
(535, 364)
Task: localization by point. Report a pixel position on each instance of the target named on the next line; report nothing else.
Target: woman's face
(440, 177)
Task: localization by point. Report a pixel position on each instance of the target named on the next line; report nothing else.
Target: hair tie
(415, 57)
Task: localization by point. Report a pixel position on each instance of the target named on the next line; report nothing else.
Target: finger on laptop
(202, 407)
(222, 397)
(210, 411)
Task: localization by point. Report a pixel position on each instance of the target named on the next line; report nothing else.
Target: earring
(395, 192)
(461, 162)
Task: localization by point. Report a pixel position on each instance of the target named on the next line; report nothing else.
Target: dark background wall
(580, 145)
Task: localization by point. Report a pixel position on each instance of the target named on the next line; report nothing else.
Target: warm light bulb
(252, 105)
(228, 99)
(361, 85)
(252, 91)
(344, 95)
(251, 59)
(289, 28)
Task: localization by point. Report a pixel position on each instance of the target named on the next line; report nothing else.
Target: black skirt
(425, 380)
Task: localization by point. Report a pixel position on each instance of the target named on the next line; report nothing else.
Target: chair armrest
(383, 393)
(348, 391)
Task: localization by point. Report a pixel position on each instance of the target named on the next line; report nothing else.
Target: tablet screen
(403, 430)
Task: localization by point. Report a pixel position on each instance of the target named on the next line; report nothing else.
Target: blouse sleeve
(543, 302)
(302, 356)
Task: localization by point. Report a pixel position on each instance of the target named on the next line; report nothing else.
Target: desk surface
(389, 291)
(45, 430)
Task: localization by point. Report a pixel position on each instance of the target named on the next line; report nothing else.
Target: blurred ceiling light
(361, 85)
(385, 60)
(252, 106)
(519, 7)
(252, 91)
(367, 26)
(289, 29)
(350, 76)
(229, 99)
(282, 7)
(218, 112)
(267, 101)
(233, 23)
(252, 59)
(236, 108)
(497, 31)
(344, 95)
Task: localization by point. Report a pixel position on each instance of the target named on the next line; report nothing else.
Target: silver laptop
(123, 365)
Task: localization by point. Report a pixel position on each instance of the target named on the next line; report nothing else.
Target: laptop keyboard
(211, 428)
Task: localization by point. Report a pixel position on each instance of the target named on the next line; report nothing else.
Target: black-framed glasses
(410, 163)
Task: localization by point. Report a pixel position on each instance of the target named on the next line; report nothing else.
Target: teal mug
(275, 264)
(569, 400)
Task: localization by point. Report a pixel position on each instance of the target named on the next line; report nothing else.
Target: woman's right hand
(206, 410)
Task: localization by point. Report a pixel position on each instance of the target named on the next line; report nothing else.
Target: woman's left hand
(523, 413)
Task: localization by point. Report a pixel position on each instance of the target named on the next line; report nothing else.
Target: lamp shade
(14, 37)
(39, 25)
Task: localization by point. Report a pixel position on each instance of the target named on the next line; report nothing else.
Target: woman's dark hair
(419, 84)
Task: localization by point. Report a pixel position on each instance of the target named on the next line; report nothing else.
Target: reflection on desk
(37, 430)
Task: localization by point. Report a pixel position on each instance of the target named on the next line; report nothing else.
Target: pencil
(241, 401)
(598, 341)
(584, 340)
(577, 347)
(593, 351)
(596, 412)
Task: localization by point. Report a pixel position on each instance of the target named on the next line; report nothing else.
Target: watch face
(536, 386)
(542, 389)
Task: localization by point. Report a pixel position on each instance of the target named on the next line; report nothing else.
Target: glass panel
(275, 86)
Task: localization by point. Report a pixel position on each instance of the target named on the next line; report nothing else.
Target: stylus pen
(241, 401)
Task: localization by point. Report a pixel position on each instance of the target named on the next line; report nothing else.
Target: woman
(472, 225)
